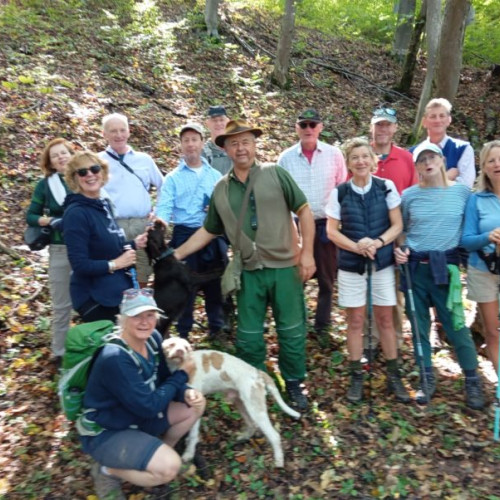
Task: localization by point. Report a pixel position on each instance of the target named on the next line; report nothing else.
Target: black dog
(172, 279)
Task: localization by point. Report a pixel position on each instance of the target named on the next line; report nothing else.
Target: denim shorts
(130, 449)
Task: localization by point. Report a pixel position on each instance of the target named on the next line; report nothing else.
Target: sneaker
(474, 393)
(395, 386)
(421, 398)
(355, 392)
(296, 395)
(106, 487)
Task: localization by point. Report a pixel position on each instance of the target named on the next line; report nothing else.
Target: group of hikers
(356, 215)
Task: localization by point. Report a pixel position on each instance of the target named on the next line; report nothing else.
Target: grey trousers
(59, 276)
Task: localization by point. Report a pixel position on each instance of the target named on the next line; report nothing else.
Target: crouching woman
(136, 410)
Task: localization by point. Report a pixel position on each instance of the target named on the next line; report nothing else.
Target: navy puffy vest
(361, 216)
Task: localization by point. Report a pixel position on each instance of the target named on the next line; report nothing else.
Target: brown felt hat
(235, 127)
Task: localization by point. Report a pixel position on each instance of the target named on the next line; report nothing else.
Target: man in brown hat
(274, 265)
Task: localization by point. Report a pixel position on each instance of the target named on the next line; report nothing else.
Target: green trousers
(282, 290)
(426, 295)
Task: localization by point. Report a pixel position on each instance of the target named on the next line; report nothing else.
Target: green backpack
(83, 344)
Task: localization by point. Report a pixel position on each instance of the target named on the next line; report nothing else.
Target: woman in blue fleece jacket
(95, 242)
(481, 236)
(136, 410)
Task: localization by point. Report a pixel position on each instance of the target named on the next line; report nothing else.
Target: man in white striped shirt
(317, 168)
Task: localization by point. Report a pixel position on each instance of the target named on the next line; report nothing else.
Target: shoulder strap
(251, 182)
(119, 160)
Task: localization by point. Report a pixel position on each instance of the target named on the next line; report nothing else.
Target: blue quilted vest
(361, 216)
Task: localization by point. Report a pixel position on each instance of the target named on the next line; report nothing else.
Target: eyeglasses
(384, 111)
(304, 125)
(135, 292)
(95, 169)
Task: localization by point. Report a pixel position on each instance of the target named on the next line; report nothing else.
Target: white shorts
(353, 288)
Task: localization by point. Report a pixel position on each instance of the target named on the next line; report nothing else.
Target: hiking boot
(355, 392)
(106, 487)
(296, 395)
(474, 393)
(421, 398)
(395, 386)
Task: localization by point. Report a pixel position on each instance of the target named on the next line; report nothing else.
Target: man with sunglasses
(317, 168)
(184, 200)
(132, 174)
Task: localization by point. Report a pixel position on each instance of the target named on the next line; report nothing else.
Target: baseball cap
(309, 115)
(138, 300)
(426, 146)
(196, 127)
(384, 115)
(216, 111)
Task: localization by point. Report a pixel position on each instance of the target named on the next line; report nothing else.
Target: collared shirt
(186, 193)
(318, 178)
(465, 165)
(217, 157)
(130, 197)
(398, 166)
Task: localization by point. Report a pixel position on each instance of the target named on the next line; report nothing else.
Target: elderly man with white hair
(132, 174)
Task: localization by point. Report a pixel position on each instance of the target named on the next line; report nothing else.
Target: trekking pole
(418, 339)
(132, 270)
(370, 321)
(496, 427)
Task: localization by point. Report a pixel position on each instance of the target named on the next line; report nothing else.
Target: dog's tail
(273, 390)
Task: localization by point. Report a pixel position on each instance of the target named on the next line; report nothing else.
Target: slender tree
(282, 63)
(433, 32)
(404, 28)
(449, 59)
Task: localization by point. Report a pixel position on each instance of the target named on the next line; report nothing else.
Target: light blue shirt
(185, 194)
(129, 195)
(482, 215)
(433, 216)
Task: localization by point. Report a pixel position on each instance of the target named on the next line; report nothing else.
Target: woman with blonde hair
(46, 210)
(99, 254)
(481, 237)
(433, 213)
(363, 220)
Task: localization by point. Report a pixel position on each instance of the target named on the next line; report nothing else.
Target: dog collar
(164, 255)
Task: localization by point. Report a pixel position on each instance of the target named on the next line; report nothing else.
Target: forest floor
(61, 70)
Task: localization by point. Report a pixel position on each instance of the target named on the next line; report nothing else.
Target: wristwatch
(111, 266)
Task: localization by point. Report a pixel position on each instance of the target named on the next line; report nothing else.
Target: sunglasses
(95, 169)
(425, 158)
(135, 292)
(384, 111)
(304, 125)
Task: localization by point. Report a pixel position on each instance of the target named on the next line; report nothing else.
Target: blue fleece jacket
(93, 238)
(482, 215)
(120, 395)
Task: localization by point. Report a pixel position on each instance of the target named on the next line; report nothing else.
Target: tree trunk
(403, 36)
(433, 31)
(280, 74)
(411, 56)
(211, 17)
(449, 60)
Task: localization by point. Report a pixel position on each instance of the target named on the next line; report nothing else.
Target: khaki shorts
(353, 288)
(133, 227)
(482, 286)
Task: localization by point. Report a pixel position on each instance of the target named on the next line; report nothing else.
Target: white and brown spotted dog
(220, 372)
